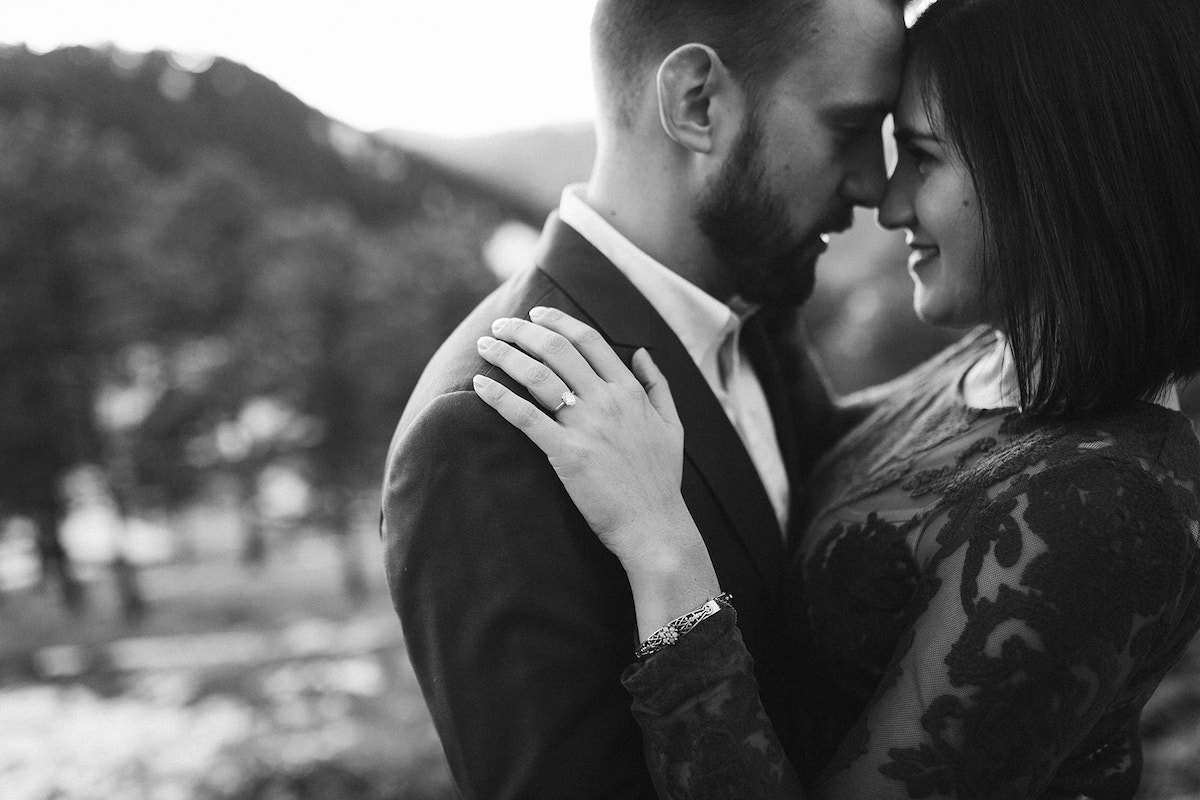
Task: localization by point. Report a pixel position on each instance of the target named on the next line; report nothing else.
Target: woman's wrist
(682, 626)
(672, 574)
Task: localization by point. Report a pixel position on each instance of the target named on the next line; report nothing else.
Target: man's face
(809, 153)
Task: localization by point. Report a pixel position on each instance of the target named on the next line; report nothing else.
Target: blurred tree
(295, 332)
(289, 333)
(344, 317)
(197, 245)
(423, 278)
(64, 196)
(201, 277)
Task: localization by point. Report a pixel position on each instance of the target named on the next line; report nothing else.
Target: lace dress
(980, 609)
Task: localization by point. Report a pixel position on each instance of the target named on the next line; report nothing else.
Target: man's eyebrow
(856, 110)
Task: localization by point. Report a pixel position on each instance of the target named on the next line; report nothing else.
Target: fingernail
(485, 342)
(498, 324)
(479, 381)
(537, 312)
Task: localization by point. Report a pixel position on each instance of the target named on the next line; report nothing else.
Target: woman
(1004, 557)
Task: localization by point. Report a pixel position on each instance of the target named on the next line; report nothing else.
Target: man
(731, 137)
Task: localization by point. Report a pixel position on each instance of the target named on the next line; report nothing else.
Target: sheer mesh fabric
(980, 608)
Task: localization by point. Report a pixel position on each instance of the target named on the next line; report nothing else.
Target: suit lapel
(626, 318)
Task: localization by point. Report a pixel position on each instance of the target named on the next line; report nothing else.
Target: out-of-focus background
(228, 245)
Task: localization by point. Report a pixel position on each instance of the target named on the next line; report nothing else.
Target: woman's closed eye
(921, 158)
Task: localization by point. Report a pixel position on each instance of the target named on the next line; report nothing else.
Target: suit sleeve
(518, 622)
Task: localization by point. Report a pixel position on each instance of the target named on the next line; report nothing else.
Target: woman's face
(932, 195)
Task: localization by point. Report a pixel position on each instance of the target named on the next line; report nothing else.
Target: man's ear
(695, 94)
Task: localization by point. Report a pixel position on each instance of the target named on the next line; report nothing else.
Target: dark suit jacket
(518, 622)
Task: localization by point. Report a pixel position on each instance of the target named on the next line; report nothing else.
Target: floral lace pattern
(982, 606)
(705, 684)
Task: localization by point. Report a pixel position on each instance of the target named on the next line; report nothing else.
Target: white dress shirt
(710, 332)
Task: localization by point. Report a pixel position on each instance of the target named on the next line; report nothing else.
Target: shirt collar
(700, 320)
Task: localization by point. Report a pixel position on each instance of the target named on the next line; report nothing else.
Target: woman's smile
(921, 255)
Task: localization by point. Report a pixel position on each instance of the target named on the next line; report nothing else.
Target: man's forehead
(854, 56)
(867, 107)
(878, 23)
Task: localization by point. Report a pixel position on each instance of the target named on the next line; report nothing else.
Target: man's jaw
(839, 224)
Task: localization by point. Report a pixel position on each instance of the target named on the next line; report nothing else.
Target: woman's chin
(928, 318)
(940, 317)
(933, 313)
(926, 311)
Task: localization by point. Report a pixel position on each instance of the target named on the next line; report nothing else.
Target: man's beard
(747, 225)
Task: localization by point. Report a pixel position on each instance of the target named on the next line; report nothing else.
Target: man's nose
(867, 180)
(895, 209)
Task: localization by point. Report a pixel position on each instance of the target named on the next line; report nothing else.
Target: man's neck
(656, 216)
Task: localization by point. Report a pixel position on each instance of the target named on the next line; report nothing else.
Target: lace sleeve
(1045, 619)
(705, 732)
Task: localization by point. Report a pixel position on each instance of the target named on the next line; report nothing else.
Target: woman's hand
(617, 448)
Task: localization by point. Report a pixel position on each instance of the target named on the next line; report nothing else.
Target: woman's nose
(896, 208)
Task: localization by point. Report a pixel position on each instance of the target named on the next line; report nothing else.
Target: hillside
(169, 111)
(250, 246)
(534, 164)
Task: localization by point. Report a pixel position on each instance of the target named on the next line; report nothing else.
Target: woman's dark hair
(1080, 123)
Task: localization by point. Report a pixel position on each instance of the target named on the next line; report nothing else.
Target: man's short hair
(756, 39)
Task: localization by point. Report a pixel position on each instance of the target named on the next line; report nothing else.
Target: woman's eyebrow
(905, 135)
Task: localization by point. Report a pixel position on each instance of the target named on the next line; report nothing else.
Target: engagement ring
(568, 400)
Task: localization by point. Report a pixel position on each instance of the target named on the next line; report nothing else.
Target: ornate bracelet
(669, 634)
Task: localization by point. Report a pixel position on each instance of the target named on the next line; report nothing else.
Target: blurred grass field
(269, 684)
(241, 684)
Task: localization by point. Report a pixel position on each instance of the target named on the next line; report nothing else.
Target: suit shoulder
(453, 364)
(454, 424)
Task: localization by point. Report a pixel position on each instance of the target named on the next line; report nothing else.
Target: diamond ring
(568, 400)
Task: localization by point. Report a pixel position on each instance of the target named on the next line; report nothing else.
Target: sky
(447, 67)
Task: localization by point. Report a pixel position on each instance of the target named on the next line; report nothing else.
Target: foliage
(200, 274)
(168, 110)
(61, 189)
